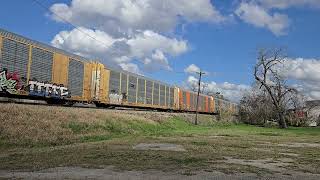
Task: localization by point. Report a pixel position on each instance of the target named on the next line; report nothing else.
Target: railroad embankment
(38, 125)
(47, 142)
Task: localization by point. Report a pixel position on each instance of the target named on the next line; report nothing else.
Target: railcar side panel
(41, 65)
(156, 92)
(134, 90)
(162, 95)
(76, 78)
(87, 80)
(212, 107)
(188, 105)
(176, 98)
(141, 93)
(149, 92)
(207, 104)
(36, 69)
(60, 69)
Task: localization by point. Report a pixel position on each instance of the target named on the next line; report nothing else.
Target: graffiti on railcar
(37, 88)
(9, 83)
(141, 99)
(115, 98)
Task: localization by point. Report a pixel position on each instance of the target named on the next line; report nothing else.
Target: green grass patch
(78, 127)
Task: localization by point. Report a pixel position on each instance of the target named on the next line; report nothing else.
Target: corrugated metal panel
(41, 65)
(162, 95)
(191, 101)
(114, 82)
(149, 92)
(184, 95)
(124, 83)
(132, 89)
(141, 91)
(156, 94)
(36, 43)
(75, 77)
(172, 97)
(209, 104)
(167, 96)
(14, 57)
(203, 103)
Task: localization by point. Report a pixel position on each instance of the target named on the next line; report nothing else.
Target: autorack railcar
(128, 89)
(35, 70)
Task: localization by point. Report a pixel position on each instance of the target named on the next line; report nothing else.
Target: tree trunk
(282, 121)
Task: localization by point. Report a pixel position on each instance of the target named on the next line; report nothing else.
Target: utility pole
(199, 86)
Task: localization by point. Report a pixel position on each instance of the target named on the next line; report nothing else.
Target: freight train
(30, 69)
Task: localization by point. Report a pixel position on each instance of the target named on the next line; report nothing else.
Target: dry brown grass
(35, 124)
(112, 134)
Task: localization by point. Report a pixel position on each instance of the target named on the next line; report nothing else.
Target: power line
(68, 22)
(46, 8)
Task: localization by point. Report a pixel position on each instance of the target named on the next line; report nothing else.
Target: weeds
(100, 137)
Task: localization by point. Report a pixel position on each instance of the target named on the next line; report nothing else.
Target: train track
(80, 105)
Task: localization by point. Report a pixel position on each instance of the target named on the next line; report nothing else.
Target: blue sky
(222, 38)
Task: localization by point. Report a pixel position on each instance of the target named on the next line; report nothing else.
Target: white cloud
(303, 69)
(233, 92)
(192, 68)
(306, 75)
(151, 48)
(129, 30)
(121, 16)
(149, 41)
(80, 43)
(130, 67)
(284, 4)
(258, 16)
(263, 13)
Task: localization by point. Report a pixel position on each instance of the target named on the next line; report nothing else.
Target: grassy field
(40, 137)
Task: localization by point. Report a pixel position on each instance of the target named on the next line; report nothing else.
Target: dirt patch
(159, 147)
(111, 174)
(290, 154)
(268, 164)
(262, 150)
(300, 145)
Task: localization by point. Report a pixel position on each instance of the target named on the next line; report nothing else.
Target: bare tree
(268, 77)
(256, 107)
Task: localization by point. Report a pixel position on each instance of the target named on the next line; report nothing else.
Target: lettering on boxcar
(47, 89)
(115, 98)
(9, 83)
